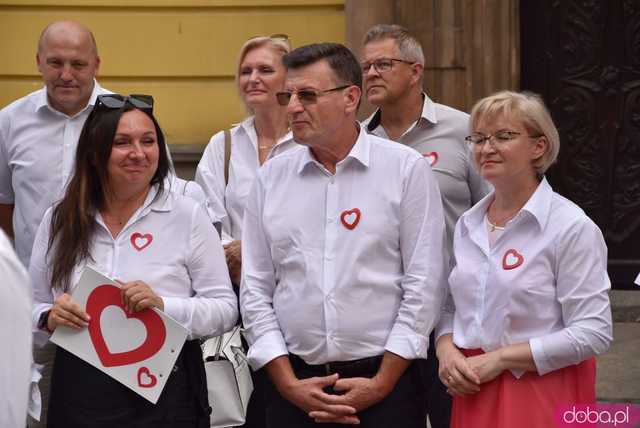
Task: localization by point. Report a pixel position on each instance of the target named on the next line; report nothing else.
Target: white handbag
(228, 379)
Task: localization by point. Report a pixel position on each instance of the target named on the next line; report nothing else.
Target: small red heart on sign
(512, 259)
(432, 157)
(145, 378)
(350, 218)
(140, 241)
(107, 295)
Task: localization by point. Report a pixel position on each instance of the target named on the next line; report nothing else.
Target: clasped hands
(357, 394)
(463, 375)
(136, 296)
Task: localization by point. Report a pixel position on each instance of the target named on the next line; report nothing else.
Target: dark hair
(73, 222)
(341, 60)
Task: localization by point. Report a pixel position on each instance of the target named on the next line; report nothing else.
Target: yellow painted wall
(183, 52)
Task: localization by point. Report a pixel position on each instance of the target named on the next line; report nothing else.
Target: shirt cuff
(406, 343)
(40, 337)
(540, 358)
(175, 308)
(269, 346)
(445, 326)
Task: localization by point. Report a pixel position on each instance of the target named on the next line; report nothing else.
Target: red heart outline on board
(432, 158)
(134, 240)
(108, 295)
(512, 259)
(146, 379)
(348, 222)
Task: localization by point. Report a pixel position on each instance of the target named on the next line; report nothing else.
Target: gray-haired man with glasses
(392, 65)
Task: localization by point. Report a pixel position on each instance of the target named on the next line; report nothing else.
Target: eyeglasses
(115, 101)
(381, 65)
(305, 96)
(497, 139)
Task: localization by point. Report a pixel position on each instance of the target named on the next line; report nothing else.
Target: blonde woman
(530, 308)
(263, 134)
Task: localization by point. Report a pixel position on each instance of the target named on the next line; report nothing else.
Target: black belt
(364, 367)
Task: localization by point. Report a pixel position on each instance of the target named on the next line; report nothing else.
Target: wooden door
(584, 58)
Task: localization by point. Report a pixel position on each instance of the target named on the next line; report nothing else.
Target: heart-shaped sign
(512, 259)
(145, 378)
(140, 241)
(108, 295)
(350, 218)
(432, 158)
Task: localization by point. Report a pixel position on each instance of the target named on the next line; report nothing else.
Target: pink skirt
(529, 402)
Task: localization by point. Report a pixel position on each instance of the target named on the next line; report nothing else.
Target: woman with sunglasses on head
(528, 307)
(118, 193)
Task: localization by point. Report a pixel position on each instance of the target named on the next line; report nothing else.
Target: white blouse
(544, 282)
(228, 203)
(170, 244)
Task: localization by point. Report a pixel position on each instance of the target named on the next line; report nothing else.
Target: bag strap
(227, 155)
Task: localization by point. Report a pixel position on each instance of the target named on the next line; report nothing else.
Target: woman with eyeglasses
(231, 160)
(118, 217)
(528, 308)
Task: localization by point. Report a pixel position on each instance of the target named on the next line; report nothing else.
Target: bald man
(38, 138)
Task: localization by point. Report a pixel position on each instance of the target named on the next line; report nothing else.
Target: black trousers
(438, 400)
(404, 407)
(84, 397)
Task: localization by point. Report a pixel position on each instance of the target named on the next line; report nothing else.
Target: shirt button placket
(328, 262)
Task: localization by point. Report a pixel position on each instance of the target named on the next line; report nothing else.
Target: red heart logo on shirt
(145, 378)
(432, 157)
(108, 295)
(350, 218)
(512, 259)
(140, 241)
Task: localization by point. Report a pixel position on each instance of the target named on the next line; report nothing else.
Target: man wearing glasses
(392, 65)
(342, 259)
(38, 138)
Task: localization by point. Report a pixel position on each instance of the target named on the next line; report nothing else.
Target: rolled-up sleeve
(582, 291)
(422, 232)
(210, 176)
(258, 285)
(212, 310)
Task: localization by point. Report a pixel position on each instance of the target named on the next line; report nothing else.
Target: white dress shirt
(544, 282)
(227, 203)
(15, 337)
(37, 155)
(438, 135)
(323, 283)
(181, 259)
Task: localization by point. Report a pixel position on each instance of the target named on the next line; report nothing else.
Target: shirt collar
(155, 202)
(360, 151)
(538, 206)
(42, 100)
(428, 113)
(249, 127)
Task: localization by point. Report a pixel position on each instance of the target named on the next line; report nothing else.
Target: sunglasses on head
(115, 101)
(305, 96)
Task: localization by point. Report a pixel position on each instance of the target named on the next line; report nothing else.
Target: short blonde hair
(279, 44)
(529, 109)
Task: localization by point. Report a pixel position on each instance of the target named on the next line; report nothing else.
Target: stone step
(618, 373)
(625, 305)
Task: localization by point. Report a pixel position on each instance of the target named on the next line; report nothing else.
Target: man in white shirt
(392, 63)
(15, 336)
(342, 259)
(39, 132)
(38, 139)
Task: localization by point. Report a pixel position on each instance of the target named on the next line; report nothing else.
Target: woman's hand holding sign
(67, 312)
(138, 296)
